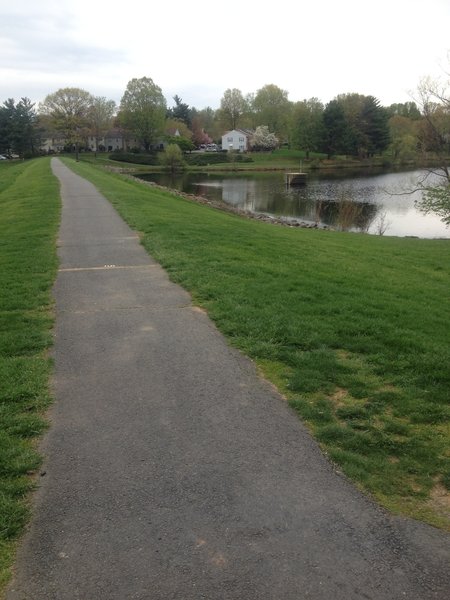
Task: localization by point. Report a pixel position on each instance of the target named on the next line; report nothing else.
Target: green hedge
(213, 158)
(206, 158)
(138, 159)
(201, 159)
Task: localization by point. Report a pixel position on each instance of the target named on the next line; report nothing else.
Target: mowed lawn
(29, 218)
(353, 329)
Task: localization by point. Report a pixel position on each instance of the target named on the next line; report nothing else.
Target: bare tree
(232, 106)
(101, 114)
(434, 100)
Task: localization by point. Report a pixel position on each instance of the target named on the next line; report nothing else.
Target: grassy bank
(353, 329)
(29, 217)
(278, 160)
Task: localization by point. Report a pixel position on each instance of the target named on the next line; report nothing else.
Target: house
(113, 140)
(237, 139)
(52, 142)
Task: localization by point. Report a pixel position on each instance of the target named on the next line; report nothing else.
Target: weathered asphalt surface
(173, 471)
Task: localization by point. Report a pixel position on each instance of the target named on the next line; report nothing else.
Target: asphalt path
(173, 471)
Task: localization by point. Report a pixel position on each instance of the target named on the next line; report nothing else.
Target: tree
(101, 115)
(403, 132)
(408, 110)
(367, 130)
(199, 135)
(69, 111)
(374, 123)
(232, 107)
(272, 108)
(7, 125)
(435, 130)
(262, 139)
(335, 129)
(434, 99)
(180, 111)
(436, 199)
(143, 110)
(172, 158)
(206, 125)
(307, 125)
(25, 132)
(18, 129)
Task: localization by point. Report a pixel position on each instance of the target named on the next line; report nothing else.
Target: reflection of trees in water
(281, 203)
(346, 214)
(349, 204)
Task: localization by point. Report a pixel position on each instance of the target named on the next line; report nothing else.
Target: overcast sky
(199, 48)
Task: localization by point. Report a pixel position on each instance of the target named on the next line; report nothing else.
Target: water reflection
(370, 203)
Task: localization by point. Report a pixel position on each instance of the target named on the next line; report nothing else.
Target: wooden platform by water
(295, 178)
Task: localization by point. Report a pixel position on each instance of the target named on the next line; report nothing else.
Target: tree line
(351, 124)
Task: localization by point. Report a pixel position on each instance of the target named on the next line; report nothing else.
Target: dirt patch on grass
(338, 397)
(440, 500)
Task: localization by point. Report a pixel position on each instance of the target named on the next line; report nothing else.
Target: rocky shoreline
(223, 206)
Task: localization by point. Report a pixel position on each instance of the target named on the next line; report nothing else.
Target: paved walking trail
(173, 471)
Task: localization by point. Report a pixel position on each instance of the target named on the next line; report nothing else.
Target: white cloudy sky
(199, 48)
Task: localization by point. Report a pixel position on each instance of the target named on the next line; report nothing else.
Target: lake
(375, 203)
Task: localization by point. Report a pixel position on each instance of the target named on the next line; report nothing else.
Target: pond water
(369, 202)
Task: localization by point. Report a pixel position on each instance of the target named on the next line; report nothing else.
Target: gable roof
(247, 132)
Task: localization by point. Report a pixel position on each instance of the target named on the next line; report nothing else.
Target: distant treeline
(350, 124)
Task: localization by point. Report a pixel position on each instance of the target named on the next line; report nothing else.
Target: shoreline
(224, 207)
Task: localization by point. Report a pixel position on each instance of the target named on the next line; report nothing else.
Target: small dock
(295, 178)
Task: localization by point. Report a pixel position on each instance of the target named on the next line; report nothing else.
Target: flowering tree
(262, 139)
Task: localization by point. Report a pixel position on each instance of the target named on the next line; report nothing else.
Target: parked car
(3, 157)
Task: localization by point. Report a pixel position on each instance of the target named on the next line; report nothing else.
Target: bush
(206, 158)
(214, 158)
(172, 158)
(137, 159)
(243, 158)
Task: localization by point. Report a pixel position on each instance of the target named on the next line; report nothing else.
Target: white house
(237, 139)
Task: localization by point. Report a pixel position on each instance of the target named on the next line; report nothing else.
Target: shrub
(206, 158)
(139, 159)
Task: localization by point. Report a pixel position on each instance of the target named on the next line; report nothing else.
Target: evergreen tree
(180, 111)
(18, 131)
(335, 127)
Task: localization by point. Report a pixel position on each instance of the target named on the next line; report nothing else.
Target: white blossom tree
(263, 139)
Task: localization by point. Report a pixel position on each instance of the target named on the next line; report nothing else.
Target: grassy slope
(29, 217)
(281, 159)
(352, 328)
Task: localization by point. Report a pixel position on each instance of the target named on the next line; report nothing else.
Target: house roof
(246, 132)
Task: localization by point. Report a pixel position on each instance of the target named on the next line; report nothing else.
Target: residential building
(237, 139)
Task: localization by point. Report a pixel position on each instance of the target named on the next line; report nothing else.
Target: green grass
(29, 217)
(281, 159)
(352, 328)
(278, 160)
